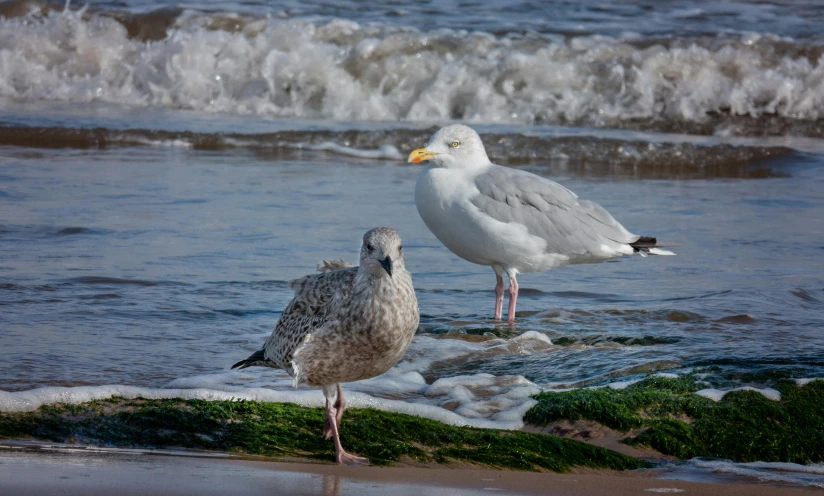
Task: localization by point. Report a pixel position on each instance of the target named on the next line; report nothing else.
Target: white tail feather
(298, 366)
(658, 251)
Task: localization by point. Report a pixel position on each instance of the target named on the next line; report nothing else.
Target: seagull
(510, 219)
(345, 324)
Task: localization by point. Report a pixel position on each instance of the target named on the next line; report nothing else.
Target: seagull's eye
(370, 248)
(400, 249)
(456, 144)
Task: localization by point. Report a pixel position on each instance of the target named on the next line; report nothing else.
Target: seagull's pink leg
(513, 298)
(340, 405)
(499, 296)
(332, 420)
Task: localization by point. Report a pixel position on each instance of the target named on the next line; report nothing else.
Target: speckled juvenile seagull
(510, 219)
(345, 324)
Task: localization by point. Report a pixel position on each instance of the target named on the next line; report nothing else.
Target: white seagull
(509, 219)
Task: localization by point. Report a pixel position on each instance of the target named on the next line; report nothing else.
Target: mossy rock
(287, 430)
(744, 426)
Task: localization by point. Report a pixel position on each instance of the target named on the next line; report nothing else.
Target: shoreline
(113, 429)
(32, 469)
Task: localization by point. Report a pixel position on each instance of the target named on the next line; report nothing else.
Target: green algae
(664, 414)
(286, 430)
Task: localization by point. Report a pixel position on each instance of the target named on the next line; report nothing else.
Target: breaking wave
(339, 69)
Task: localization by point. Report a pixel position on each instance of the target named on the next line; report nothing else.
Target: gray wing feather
(548, 210)
(317, 297)
(328, 266)
(609, 227)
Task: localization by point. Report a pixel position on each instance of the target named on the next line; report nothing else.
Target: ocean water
(166, 169)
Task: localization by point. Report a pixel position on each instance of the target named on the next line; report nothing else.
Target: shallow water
(152, 209)
(133, 472)
(81, 470)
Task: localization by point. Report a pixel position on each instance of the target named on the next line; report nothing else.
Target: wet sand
(71, 471)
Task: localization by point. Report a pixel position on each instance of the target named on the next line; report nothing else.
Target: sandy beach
(29, 470)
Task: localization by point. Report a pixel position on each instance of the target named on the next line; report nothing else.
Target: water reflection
(331, 485)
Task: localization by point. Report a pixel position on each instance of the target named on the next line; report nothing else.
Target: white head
(456, 146)
(382, 252)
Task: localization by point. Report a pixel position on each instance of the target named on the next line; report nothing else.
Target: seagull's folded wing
(549, 211)
(317, 292)
(317, 296)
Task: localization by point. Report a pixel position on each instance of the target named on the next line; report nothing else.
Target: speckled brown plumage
(345, 324)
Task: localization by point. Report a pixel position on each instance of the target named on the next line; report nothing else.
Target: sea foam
(24, 401)
(339, 69)
(717, 395)
(477, 400)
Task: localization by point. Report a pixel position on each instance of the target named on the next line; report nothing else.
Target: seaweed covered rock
(287, 431)
(666, 415)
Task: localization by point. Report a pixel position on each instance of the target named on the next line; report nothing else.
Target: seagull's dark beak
(386, 263)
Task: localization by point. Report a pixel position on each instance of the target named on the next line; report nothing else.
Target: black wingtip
(643, 242)
(248, 362)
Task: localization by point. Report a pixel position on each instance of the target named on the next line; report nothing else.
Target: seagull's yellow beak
(420, 155)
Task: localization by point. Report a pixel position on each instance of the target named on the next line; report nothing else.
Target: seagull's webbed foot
(349, 459)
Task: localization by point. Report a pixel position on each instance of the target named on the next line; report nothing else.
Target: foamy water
(333, 68)
(717, 395)
(478, 400)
